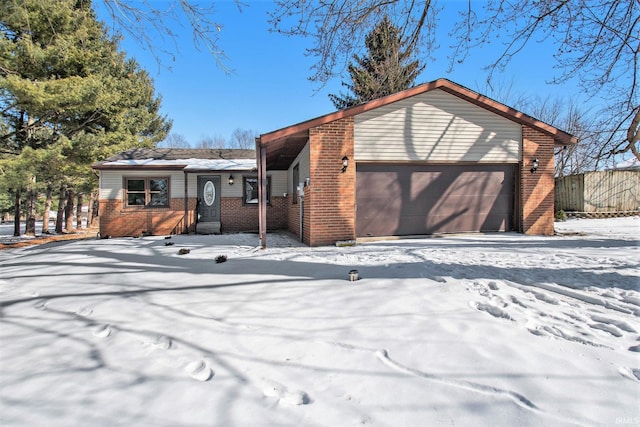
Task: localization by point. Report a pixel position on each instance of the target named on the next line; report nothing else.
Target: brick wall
(236, 217)
(537, 188)
(331, 196)
(117, 222)
(293, 220)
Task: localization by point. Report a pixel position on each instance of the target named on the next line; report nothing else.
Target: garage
(435, 158)
(414, 199)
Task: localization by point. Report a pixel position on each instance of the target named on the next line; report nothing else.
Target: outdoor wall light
(534, 165)
(345, 164)
(230, 180)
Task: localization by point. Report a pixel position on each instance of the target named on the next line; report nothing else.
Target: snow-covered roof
(182, 159)
(188, 164)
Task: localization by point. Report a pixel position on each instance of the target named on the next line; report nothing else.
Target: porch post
(186, 203)
(262, 193)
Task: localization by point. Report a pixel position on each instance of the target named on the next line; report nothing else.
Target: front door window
(209, 193)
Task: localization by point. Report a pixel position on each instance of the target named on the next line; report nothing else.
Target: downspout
(186, 203)
(300, 190)
(262, 192)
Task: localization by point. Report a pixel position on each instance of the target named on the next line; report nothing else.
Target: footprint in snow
(491, 309)
(284, 395)
(199, 370)
(546, 298)
(162, 342)
(618, 323)
(607, 328)
(40, 305)
(84, 311)
(630, 373)
(479, 288)
(101, 331)
(517, 301)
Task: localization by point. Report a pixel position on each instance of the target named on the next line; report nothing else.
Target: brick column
(537, 188)
(330, 199)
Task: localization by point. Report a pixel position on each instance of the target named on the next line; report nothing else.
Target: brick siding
(234, 217)
(293, 220)
(330, 198)
(118, 222)
(537, 188)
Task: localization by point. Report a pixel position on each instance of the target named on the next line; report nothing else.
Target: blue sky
(269, 87)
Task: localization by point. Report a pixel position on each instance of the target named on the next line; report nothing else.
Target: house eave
(137, 167)
(561, 138)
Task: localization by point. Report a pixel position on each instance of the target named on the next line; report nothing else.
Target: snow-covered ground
(467, 330)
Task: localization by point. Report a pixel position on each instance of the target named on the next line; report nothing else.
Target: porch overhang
(281, 152)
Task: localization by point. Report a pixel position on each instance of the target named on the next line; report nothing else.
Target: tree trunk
(92, 213)
(68, 212)
(61, 208)
(95, 219)
(90, 210)
(30, 223)
(16, 215)
(79, 211)
(47, 210)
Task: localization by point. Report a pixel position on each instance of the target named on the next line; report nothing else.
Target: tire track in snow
(517, 398)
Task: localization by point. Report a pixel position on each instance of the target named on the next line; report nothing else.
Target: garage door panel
(425, 199)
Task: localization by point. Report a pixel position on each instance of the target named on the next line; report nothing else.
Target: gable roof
(181, 158)
(282, 143)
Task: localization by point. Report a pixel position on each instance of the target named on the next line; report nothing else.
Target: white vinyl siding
(278, 183)
(435, 126)
(111, 182)
(226, 190)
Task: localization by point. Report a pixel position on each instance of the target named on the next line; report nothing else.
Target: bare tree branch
(338, 27)
(145, 21)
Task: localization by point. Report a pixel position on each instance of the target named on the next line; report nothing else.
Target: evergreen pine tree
(67, 93)
(387, 67)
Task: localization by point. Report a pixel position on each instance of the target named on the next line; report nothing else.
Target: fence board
(608, 191)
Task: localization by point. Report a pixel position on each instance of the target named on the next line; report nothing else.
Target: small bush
(561, 216)
(184, 251)
(221, 259)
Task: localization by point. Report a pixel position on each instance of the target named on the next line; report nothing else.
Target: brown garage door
(400, 200)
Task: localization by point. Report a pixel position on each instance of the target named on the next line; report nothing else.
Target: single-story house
(171, 191)
(436, 158)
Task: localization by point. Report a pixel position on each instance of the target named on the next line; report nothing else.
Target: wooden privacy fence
(609, 191)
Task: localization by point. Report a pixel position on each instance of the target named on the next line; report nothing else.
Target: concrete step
(208, 227)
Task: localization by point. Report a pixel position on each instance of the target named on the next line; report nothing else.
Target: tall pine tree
(387, 68)
(66, 92)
